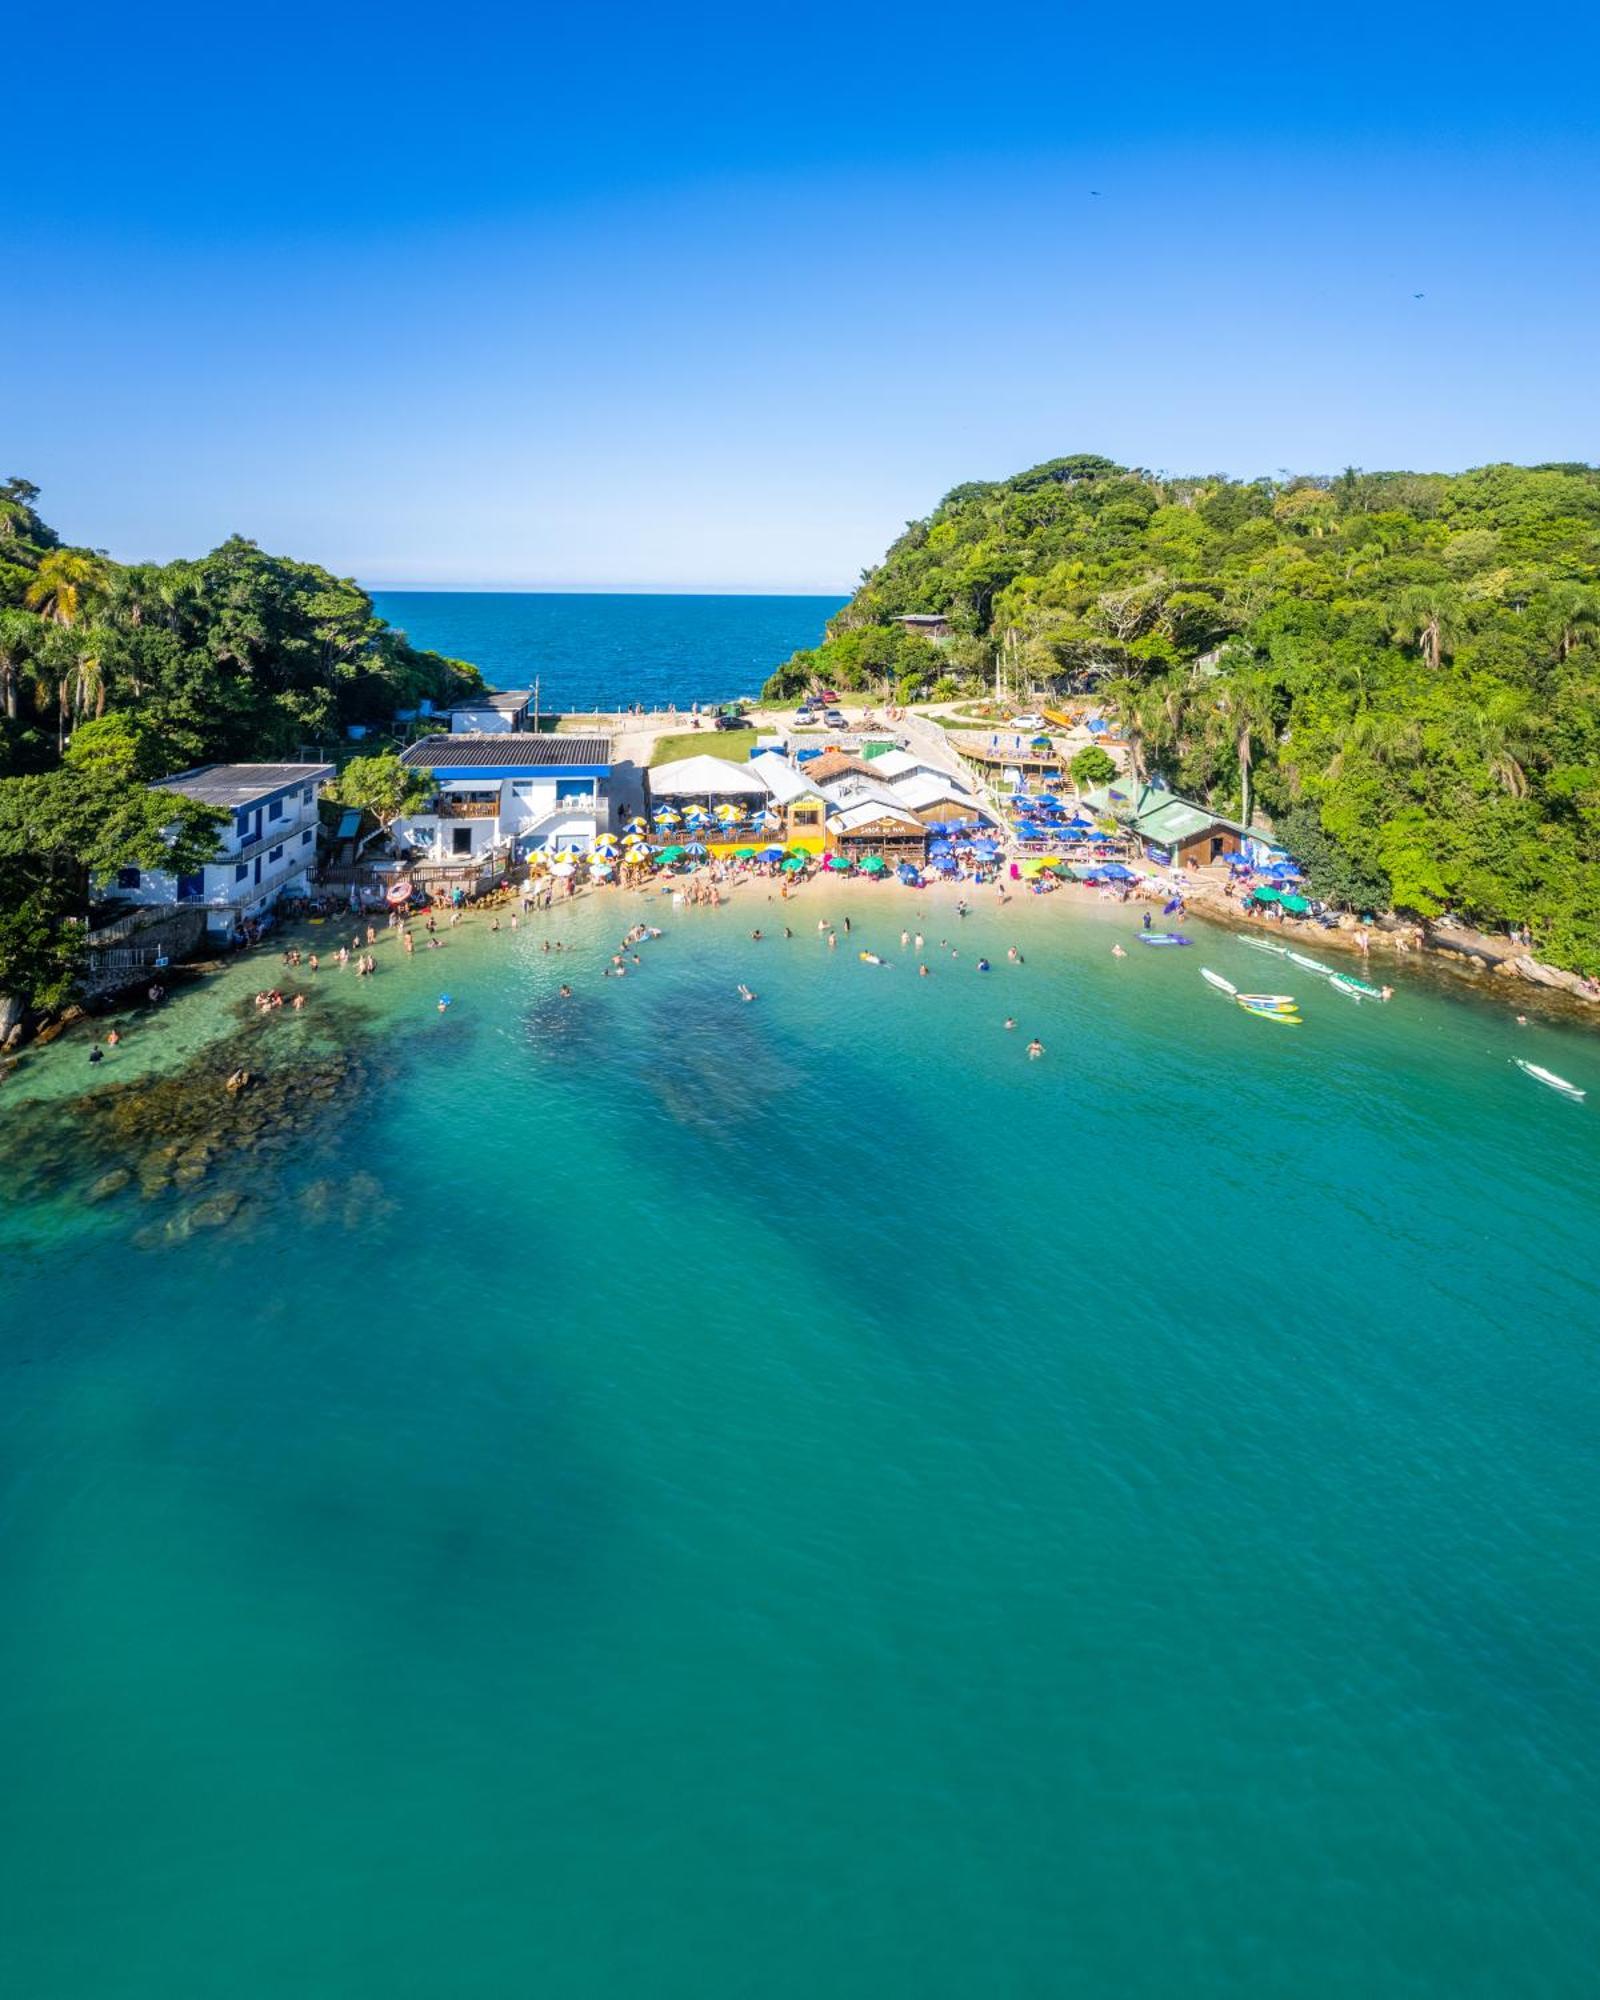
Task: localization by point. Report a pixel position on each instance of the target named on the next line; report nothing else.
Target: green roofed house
(1170, 831)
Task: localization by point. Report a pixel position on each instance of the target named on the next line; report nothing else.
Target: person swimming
(444, 1002)
(1035, 1049)
(1118, 952)
(983, 965)
(869, 958)
(745, 993)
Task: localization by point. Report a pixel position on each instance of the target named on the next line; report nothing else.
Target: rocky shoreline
(1495, 966)
(202, 1149)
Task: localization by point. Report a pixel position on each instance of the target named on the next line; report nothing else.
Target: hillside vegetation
(1400, 670)
(112, 674)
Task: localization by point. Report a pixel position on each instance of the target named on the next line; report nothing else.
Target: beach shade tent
(770, 854)
(874, 865)
(703, 778)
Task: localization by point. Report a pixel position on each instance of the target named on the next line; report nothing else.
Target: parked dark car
(730, 722)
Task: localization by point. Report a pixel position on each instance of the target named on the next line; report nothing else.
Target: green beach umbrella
(744, 854)
(1297, 904)
(1265, 895)
(669, 854)
(794, 862)
(874, 865)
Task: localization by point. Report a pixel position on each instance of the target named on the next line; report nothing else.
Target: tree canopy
(236, 655)
(113, 675)
(1402, 667)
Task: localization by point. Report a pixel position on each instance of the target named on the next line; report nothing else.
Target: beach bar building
(795, 802)
(1170, 831)
(269, 845)
(876, 828)
(713, 802)
(499, 798)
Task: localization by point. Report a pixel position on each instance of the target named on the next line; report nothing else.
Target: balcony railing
(449, 808)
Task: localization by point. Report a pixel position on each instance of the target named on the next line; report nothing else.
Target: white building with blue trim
(501, 797)
(268, 847)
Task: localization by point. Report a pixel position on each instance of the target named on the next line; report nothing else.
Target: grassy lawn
(734, 744)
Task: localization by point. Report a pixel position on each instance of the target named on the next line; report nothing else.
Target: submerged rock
(109, 1184)
(217, 1210)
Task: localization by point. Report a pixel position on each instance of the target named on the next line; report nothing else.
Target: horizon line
(612, 589)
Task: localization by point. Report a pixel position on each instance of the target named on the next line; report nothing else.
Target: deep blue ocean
(592, 651)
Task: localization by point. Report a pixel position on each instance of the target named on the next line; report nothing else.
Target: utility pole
(536, 704)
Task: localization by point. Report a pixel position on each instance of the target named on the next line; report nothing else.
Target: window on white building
(276, 854)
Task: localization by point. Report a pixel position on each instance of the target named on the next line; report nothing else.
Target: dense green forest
(112, 674)
(1400, 670)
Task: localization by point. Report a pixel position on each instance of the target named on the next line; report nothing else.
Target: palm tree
(1124, 697)
(65, 583)
(1244, 708)
(1430, 615)
(1574, 612)
(21, 637)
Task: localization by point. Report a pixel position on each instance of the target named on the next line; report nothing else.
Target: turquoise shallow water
(596, 651)
(795, 1498)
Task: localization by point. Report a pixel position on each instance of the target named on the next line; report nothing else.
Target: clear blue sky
(698, 296)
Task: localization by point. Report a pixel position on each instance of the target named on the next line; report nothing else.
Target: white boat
(1549, 1077)
(1310, 964)
(1216, 979)
(1261, 944)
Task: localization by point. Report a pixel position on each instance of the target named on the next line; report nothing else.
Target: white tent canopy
(705, 777)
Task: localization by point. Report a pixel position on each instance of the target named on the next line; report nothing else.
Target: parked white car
(1027, 722)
